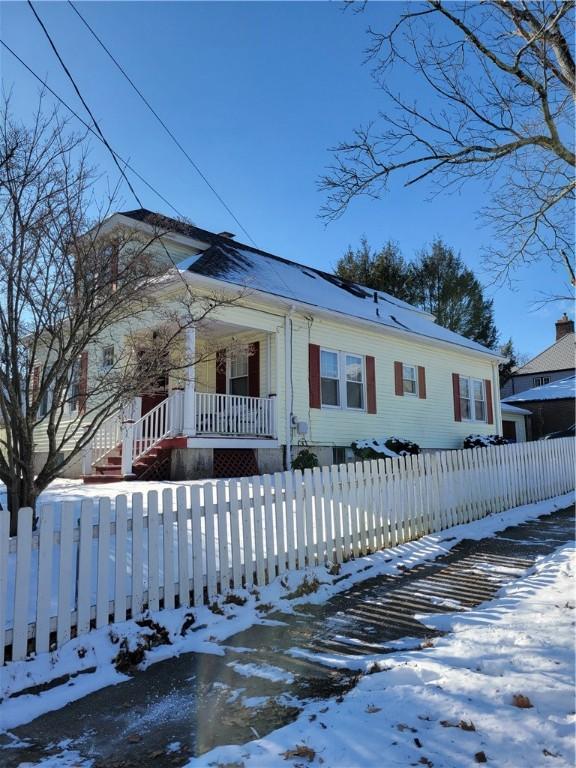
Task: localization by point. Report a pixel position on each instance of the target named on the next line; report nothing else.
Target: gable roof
(557, 357)
(564, 389)
(240, 264)
(507, 408)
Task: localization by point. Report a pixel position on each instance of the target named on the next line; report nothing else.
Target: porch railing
(235, 415)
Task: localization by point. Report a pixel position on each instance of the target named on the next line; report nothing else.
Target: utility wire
(105, 141)
(88, 127)
(161, 121)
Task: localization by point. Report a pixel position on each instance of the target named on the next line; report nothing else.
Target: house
(302, 358)
(554, 363)
(551, 406)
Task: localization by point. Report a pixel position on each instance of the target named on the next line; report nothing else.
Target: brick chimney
(564, 326)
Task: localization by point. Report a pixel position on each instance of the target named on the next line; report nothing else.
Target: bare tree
(68, 283)
(496, 82)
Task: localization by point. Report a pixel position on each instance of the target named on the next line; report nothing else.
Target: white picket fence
(91, 565)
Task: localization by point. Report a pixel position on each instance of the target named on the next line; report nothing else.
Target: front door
(509, 431)
(156, 387)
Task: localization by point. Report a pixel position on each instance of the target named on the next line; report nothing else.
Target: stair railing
(106, 438)
(139, 437)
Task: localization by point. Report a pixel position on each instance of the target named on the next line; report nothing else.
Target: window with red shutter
(314, 375)
(370, 384)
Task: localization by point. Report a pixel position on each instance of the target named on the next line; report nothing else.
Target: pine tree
(383, 270)
(437, 281)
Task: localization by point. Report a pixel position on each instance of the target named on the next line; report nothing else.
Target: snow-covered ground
(498, 689)
(98, 648)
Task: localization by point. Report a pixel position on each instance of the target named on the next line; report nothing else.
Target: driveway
(186, 706)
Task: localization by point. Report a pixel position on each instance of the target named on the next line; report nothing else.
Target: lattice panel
(239, 462)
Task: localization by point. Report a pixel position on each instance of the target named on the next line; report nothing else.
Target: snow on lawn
(498, 689)
(76, 491)
(99, 648)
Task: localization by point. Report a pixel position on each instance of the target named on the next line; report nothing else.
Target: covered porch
(224, 398)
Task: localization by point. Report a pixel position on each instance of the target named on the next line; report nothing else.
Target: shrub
(479, 441)
(385, 447)
(305, 460)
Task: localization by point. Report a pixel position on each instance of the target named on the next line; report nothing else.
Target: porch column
(189, 409)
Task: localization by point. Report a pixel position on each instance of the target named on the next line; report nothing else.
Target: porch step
(154, 465)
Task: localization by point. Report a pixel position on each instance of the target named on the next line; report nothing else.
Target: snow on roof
(251, 268)
(257, 270)
(557, 357)
(556, 390)
(507, 408)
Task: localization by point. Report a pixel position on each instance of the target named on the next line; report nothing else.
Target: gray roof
(564, 389)
(557, 357)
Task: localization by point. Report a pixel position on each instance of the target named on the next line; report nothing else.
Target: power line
(88, 127)
(52, 44)
(161, 121)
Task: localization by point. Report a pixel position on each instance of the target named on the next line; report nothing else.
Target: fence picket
(182, 528)
(153, 551)
(120, 555)
(222, 517)
(337, 512)
(84, 575)
(137, 554)
(309, 517)
(22, 591)
(4, 543)
(247, 532)
(269, 529)
(103, 564)
(300, 515)
(259, 532)
(289, 506)
(65, 573)
(327, 501)
(197, 563)
(279, 485)
(44, 587)
(210, 541)
(235, 534)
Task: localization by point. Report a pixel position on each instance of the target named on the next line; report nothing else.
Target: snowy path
(294, 673)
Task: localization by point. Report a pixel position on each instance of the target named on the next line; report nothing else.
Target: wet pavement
(188, 705)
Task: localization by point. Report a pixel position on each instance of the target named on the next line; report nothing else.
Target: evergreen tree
(442, 284)
(438, 281)
(384, 270)
(513, 360)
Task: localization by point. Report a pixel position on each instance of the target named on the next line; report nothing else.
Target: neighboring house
(304, 358)
(554, 363)
(551, 406)
(515, 424)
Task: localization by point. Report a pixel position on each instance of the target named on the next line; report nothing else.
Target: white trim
(232, 442)
(416, 393)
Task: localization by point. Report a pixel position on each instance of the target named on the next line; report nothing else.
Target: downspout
(289, 404)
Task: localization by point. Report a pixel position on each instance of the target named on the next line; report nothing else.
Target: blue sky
(257, 93)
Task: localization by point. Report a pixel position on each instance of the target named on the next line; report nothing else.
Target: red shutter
(421, 382)
(314, 375)
(35, 382)
(456, 393)
(489, 406)
(254, 370)
(398, 379)
(370, 384)
(221, 372)
(83, 382)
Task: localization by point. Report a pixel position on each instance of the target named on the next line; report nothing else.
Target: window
(354, 382)
(342, 382)
(538, 381)
(108, 358)
(238, 383)
(75, 386)
(409, 380)
(329, 378)
(472, 399)
(45, 403)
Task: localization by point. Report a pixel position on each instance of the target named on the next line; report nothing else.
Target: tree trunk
(20, 493)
